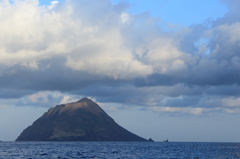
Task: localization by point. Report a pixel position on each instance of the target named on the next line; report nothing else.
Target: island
(83, 120)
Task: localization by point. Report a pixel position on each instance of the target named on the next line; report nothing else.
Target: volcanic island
(83, 120)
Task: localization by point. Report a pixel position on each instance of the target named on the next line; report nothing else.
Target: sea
(119, 150)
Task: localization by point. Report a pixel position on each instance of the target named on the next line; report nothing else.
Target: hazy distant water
(118, 150)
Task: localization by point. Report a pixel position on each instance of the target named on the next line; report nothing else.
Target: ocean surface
(118, 150)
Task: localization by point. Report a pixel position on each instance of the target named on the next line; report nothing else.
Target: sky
(162, 69)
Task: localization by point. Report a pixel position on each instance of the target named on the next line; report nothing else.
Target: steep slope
(80, 121)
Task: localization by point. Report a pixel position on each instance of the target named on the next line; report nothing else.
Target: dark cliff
(80, 121)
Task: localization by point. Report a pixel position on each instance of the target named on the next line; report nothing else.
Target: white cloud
(178, 110)
(30, 33)
(53, 4)
(69, 99)
(46, 99)
(230, 32)
(232, 111)
(42, 97)
(159, 53)
(231, 102)
(32, 65)
(104, 55)
(3, 107)
(124, 17)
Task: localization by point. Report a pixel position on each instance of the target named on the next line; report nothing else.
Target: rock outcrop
(80, 121)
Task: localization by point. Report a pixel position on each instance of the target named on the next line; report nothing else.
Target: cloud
(3, 107)
(46, 99)
(232, 16)
(187, 110)
(53, 3)
(65, 51)
(37, 33)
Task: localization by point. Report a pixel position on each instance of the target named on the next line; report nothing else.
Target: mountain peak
(84, 104)
(85, 99)
(83, 120)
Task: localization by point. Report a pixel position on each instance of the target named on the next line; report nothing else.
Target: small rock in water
(150, 140)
